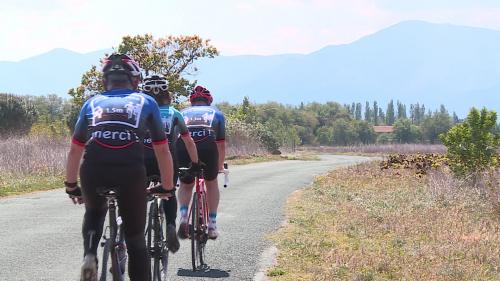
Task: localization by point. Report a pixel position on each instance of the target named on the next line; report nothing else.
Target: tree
(368, 112)
(343, 133)
(439, 123)
(472, 145)
(17, 115)
(171, 56)
(390, 115)
(365, 132)
(401, 110)
(358, 111)
(375, 113)
(405, 132)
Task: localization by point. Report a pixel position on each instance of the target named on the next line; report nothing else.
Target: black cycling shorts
(152, 169)
(129, 183)
(207, 153)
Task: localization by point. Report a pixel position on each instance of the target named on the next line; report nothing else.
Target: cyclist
(110, 130)
(206, 125)
(173, 123)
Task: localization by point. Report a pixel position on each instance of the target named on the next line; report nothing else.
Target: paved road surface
(40, 233)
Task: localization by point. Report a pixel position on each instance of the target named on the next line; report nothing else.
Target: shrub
(472, 145)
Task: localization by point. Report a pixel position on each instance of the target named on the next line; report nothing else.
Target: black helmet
(121, 64)
(155, 85)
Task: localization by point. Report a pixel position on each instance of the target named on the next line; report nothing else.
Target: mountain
(53, 72)
(412, 61)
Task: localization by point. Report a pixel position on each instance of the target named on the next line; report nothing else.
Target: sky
(236, 27)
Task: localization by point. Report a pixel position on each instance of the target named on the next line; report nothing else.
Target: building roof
(383, 129)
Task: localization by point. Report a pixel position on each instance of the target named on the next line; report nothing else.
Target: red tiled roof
(383, 129)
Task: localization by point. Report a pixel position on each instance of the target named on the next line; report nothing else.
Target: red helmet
(200, 92)
(120, 63)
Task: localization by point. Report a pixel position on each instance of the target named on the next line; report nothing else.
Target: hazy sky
(31, 27)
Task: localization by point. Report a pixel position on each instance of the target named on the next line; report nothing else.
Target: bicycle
(198, 215)
(155, 236)
(114, 246)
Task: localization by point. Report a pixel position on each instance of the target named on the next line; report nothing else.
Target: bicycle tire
(105, 258)
(193, 231)
(164, 249)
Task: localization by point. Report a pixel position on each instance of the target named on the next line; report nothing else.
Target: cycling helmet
(200, 92)
(121, 64)
(155, 86)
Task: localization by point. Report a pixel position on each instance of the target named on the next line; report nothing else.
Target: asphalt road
(40, 232)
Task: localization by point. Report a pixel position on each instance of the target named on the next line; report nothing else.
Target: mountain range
(412, 61)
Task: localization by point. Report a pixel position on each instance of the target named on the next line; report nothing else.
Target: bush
(472, 145)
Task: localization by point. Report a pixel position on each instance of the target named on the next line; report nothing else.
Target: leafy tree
(439, 123)
(405, 132)
(472, 145)
(343, 133)
(364, 132)
(17, 115)
(375, 113)
(172, 57)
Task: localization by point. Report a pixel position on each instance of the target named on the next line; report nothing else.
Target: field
(366, 223)
(37, 163)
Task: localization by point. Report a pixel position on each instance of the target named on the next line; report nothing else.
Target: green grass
(362, 223)
(13, 185)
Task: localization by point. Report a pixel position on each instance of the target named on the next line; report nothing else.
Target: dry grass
(31, 163)
(383, 149)
(363, 223)
(248, 159)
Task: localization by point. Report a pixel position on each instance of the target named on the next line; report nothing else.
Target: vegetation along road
(40, 234)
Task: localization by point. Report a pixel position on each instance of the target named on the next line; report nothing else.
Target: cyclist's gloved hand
(74, 192)
(197, 167)
(158, 189)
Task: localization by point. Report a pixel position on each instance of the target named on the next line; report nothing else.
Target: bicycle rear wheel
(105, 259)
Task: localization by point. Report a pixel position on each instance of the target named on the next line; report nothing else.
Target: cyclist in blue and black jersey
(206, 125)
(174, 126)
(110, 130)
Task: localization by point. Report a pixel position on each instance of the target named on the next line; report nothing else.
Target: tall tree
(375, 113)
(358, 111)
(390, 115)
(368, 113)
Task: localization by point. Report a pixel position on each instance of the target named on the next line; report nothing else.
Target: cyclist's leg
(132, 204)
(95, 207)
(210, 156)
(185, 190)
(170, 206)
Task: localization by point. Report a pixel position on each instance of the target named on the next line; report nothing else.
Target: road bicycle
(198, 217)
(156, 235)
(113, 242)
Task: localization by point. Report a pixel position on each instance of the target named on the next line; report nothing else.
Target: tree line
(273, 124)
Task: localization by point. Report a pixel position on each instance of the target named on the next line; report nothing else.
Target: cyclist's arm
(77, 146)
(160, 146)
(220, 141)
(188, 140)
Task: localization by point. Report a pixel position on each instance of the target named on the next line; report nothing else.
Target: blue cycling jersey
(205, 123)
(173, 124)
(112, 126)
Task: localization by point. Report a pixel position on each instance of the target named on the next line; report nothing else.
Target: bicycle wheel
(105, 258)
(197, 234)
(164, 249)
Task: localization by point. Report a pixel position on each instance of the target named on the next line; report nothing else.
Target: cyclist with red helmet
(174, 125)
(206, 125)
(110, 130)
